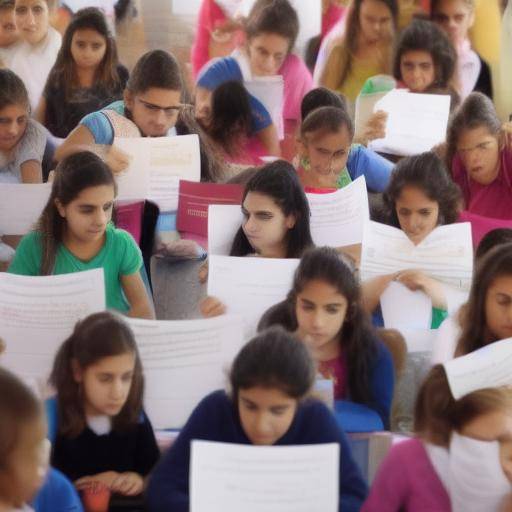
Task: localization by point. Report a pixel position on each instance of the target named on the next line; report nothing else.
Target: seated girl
(364, 50)
(268, 404)
(85, 77)
(75, 233)
(22, 140)
(456, 17)
(459, 459)
(103, 435)
(479, 158)
(324, 310)
(420, 197)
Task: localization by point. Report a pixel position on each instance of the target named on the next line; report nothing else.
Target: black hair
(327, 120)
(12, 90)
(491, 240)
(321, 97)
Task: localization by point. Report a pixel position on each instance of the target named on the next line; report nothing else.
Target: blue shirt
(374, 167)
(216, 419)
(57, 495)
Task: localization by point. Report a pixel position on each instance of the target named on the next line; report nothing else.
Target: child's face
(265, 225)
(13, 123)
(154, 111)
(494, 426)
(321, 311)
(479, 151)
(88, 214)
(267, 53)
(417, 214)
(106, 384)
(375, 21)
(498, 307)
(266, 414)
(33, 19)
(26, 466)
(327, 155)
(88, 48)
(417, 70)
(455, 17)
(8, 31)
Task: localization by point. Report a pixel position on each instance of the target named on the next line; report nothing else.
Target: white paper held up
(230, 478)
(224, 220)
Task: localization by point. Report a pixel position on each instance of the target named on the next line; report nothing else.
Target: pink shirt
(336, 370)
(331, 17)
(493, 200)
(297, 83)
(406, 480)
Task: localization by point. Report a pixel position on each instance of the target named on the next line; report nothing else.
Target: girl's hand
(128, 484)
(211, 306)
(375, 127)
(117, 160)
(106, 478)
(416, 280)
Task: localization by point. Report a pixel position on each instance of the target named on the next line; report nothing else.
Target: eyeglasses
(168, 111)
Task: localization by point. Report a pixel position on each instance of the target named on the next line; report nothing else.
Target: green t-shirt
(119, 256)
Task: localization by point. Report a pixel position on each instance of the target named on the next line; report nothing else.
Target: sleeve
(375, 168)
(383, 384)
(57, 495)
(219, 71)
(32, 144)
(130, 256)
(27, 259)
(438, 317)
(100, 127)
(297, 83)
(147, 452)
(260, 117)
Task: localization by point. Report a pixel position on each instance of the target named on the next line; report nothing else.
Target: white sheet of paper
(416, 122)
(156, 166)
(487, 367)
(230, 478)
(183, 361)
(445, 254)
(270, 91)
(338, 218)
(249, 286)
(186, 7)
(418, 340)
(403, 308)
(38, 313)
(224, 220)
(21, 205)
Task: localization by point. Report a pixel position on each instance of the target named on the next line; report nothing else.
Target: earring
(305, 163)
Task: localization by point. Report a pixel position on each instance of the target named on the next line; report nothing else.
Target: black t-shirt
(63, 116)
(88, 454)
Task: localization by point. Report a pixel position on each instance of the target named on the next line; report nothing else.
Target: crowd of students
(63, 102)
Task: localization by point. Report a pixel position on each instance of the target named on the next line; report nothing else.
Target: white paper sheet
(183, 361)
(416, 122)
(249, 286)
(445, 254)
(21, 205)
(337, 219)
(186, 7)
(224, 220)
(487, 367)
(38, 313)
(418, 340)
(156, 166)
(230, 478)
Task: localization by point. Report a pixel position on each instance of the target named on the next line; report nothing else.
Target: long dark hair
(63, 73)
(279, 181)
(73, 174)
(427, 173)
(357, 337)
(475, 333)
(98, 336)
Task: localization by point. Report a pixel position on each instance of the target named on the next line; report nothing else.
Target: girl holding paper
(420, 197)
(324, 310)
(75, 233)
(268, 404)
(103, 437)
(480, 158)
(460, 459)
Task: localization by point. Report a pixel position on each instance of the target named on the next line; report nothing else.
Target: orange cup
(96, 498)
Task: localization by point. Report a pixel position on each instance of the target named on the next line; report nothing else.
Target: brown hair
(97, 336)
(437, 414)
(12, 90)
(327, 120)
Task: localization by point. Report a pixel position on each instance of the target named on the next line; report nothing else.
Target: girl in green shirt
(74, 233)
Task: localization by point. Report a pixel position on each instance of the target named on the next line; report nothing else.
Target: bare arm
(31, 172)
(373, 289)
(80, 139)
(40, 113)
(268, 137)
(135, 291)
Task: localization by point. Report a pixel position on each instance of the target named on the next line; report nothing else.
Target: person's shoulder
(36, 129)
(217, 71)
(407, 450)
(32, 239)
(119, 235)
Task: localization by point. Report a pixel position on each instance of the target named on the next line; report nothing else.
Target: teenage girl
(268, 404)
(365, 49)
(324, 310)
(22, 140)
(456, 17)
(103, 435)
(75, 233)
(86, 75)
(479, 158)
(420, 197)
(458, 446)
